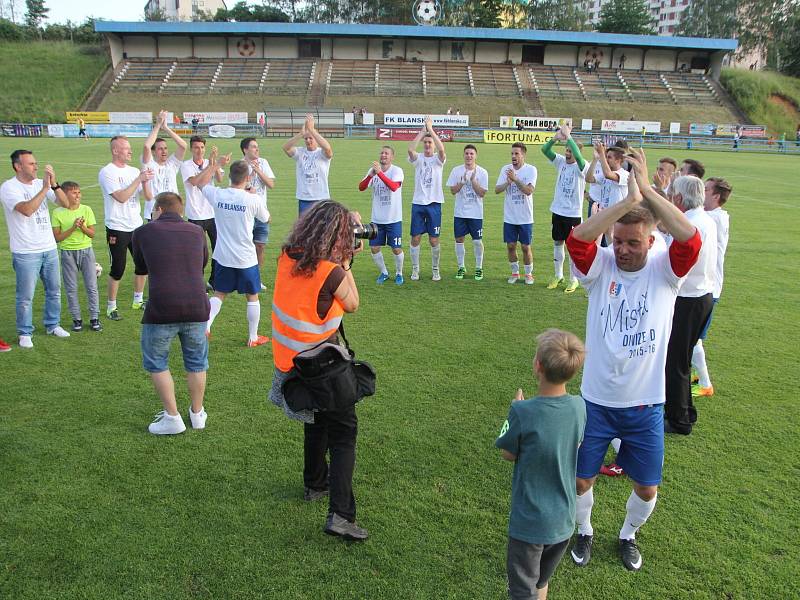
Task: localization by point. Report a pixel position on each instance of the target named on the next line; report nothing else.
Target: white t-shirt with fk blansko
(165, 179)
(312, 174)
(518, 207)
(234, 213)
(120, 216)
(427, 179)
(468, 204)
(387, 205)
(570, 185)
(27, 235)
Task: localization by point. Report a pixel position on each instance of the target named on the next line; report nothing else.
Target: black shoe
(669, 428)
(630, 555)
(310, 495)
(336, 525)
(95, 325)
(77, 325)
(113, 315)
(582, 550)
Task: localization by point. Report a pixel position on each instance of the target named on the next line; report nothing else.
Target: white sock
(111, 305)
(477, 245)
(699, 364)
(638, 512)
(216, 306)
(583, 512)
(616, 443)
(415, 257)
(378, 258)
(253, 317)
(138, 297)
(435, 252)
(528, 269)
(558, 259)
(514, 268)
(460, 252)
(398, 263)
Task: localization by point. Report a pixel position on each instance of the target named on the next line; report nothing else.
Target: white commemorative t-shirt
(120, 216)
(312, 174)
(197, 206)
(387, 205)
(427, 179)
(518, 207)
(594, 188)
(722, 219)
(27, 235)
(570, 185)
(468, 204)
(164, 180)
(258, 187)
(701, 277)
(235, 211)
(612, 191)
(628, 324)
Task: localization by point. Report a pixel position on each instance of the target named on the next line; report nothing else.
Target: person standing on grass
(73, 228)
(261, 179)
(165, 166)
(385, 180)
(82, 129)
(469, 182)
(33, 248)
(426, 205)
(174, 253)
(541, 437)
(694, 167)
(518, 181)
(122, 185)
(567, 205)
(613, 178)
(313, 164)
(641, 287)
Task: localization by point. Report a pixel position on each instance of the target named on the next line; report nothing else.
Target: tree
(788, 50)
(159, 14)
(626, 16)
(242, 13)
(35, 13)
(560, 15)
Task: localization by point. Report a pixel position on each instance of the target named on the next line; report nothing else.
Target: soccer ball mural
(427, 12)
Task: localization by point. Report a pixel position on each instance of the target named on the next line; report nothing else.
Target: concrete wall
(633, 58)
(422, 50)
(280, 47)
(139, 46)
(174, 46)
(492, 52)
(601, 52)
(660, 60)
(556, 54)
(397, 51)
(350, 48)
(210, 47)
(115, 47)
(467, 51)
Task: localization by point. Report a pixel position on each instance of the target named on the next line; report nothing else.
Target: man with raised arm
(165, 166)
(261, 179)
(612, 177)
(631, 298)
(426, 206)
(567, 204)
(313, 163)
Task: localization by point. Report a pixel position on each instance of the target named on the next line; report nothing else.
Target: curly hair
(323, 232)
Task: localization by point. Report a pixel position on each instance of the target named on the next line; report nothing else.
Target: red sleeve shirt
(683, 255)
(582, 253)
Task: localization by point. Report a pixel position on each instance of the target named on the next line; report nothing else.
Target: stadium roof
(413, 31)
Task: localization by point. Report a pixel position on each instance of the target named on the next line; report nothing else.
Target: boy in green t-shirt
(541, 436)
(73, 229)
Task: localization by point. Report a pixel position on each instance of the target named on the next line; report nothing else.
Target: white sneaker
(165, 424)
(263, 287)
(529, 279)
(514, 278)
(198, 419)
(25, 341)
(58, 332)
(414, 273)
(436, 276)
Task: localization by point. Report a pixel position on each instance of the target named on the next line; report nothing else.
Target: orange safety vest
(296, 326)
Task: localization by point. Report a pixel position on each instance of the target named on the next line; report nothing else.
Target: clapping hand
(519, 396)
(376, 167)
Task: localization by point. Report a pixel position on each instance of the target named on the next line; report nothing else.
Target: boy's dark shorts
(530, 566)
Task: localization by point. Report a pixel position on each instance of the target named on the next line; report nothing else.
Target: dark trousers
(210, 227)
(688, 321)
(333, 432)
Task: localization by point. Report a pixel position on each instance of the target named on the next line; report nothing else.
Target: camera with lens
(364, 231)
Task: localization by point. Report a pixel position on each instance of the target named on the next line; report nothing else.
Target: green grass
(767, 98)
(94, 507)
(46, 79)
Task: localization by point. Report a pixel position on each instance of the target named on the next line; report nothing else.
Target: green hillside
(766, 98)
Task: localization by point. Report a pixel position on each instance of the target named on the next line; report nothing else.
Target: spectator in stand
(622, 61)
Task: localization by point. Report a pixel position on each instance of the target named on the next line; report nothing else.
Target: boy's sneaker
(528, 279)
(336, 525)
(198, 420)
(460, 273)
(25, 341)
(514, 278)
(138, 305)
(630, 555)
(698, 390)
(414, 273)
(582, 550)
(478, 274)
(58, 331)
(77, 325)
(398, 279)
(554, 283)
(435, 276)
(95, 325)
(113, 315)
(382, 278)
(612, 470)
(573, 285)
(4, 347)
(259, 341)
(165, 424)
(310, 495)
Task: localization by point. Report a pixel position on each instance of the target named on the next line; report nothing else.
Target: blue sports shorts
(426, 218)
(463, 226)
(518, 233)
(389, 234)
(244, 281)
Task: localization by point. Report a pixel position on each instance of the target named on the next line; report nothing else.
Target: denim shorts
(260, 232)
(157, 339)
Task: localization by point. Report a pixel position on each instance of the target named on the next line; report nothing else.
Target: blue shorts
(157, 338)
(641, 429)
(426, 218)
(244, 281)
(463, 226)
(304, 205)
(518, 233)
(389, 234)
(708, 322)
(260, 232)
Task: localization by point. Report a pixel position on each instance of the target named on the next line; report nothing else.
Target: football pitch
(92, 506)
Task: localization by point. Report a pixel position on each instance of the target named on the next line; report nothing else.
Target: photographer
(314, 287)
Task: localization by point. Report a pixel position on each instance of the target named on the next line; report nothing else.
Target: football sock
(415, 257)
(253, 317)
(699, 364)
(558, 258)
(138, 297)
(435, 253)
(378, 258)
(398, 263)
(478, 247)
(216, 306)
(583, 512)
(460, 252)
(529, 269)
(514, 268)
(616, 443)
(111, 305)
(638, 512)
